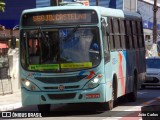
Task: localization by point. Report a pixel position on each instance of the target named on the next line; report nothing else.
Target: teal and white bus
(82, 54)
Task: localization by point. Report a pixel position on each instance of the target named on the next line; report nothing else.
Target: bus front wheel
(44, 108)
(110, 104)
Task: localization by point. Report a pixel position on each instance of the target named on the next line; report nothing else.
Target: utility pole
(97, 2)
(55, 2)
(155, 9)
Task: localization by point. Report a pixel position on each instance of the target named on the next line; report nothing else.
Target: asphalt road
(146, 97)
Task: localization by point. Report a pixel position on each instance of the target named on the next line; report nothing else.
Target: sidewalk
(10, 101)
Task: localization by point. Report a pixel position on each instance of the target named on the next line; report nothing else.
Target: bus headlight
(29, 85)
(94, 82)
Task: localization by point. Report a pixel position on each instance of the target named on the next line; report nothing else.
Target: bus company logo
(61, 87)
(6, 114)
(34, 74)
(114, 60)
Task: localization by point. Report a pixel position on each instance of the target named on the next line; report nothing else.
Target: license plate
(96, 95)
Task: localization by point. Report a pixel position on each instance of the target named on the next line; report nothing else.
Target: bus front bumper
(97, 94)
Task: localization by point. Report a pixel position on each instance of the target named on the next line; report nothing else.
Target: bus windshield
(61, 50)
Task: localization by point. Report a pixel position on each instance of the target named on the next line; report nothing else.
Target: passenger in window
(94, 46)
(94, 43)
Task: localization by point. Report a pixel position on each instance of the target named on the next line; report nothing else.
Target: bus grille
(61, 96)
(65, 87)
(60, 79)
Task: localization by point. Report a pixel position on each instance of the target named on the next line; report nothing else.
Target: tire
(44, 108)
(143, 86)
(132, 97)
(110, 104)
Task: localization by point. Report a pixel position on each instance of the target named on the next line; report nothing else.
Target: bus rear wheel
(143, 86)
(44, 108)
(132, 97)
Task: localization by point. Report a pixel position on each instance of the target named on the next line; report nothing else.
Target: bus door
(107, 63)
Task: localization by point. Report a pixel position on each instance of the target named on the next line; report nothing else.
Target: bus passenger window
(105, 42)
(134, 33)
(140, 35)
(122, 33)
(116, 33)
(110, 31)
(129, 37)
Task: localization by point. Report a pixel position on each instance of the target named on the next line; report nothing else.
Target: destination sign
(60, 17)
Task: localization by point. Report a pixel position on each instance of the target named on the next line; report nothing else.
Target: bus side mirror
(13, 42)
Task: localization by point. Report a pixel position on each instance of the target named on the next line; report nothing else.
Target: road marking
(142, 92)
(112, 118)
(150, 101)
(10, 106)
(134, 109)
(157, 98)
(138, 108)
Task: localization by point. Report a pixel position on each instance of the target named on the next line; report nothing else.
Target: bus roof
(108, 12)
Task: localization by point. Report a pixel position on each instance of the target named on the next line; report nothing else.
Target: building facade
(10, 18)
(145, 7)
(117, 4)
(13, 10)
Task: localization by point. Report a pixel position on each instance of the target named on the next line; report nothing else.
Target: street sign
(85, 2)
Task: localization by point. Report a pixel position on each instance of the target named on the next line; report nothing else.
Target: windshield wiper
(43, 36)
(45, 41)
(71, 33)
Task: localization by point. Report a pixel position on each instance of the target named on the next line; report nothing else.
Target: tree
(2, 5)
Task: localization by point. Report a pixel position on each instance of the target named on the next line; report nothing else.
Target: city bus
(82, 54)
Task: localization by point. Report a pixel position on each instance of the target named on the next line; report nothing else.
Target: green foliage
(2, 5)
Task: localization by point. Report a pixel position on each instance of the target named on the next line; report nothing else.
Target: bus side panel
(131, 66)
(141, 66)
(118, 61)
(127, 65)
(108, 73)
